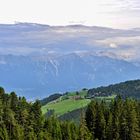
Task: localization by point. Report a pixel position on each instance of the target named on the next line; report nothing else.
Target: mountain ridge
(36, 60)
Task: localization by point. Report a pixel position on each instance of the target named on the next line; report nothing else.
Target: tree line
(22, 120)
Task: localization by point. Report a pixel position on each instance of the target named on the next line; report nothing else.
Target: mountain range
(37, 60)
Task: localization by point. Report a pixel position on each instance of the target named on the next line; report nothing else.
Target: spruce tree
(84, 133)
(134, 130)
(3, 132)
(109, 127)
(91, 117)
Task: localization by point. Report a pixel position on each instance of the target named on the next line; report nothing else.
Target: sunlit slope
(65, 106)
(68, 102)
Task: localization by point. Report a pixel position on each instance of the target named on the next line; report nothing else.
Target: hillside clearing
(65, 106)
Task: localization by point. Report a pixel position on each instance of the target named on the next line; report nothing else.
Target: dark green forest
(22, 120)
(125, 89)
(50, 98)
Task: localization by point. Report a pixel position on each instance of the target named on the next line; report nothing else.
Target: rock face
(37, 60)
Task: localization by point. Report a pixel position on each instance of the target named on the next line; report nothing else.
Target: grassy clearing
(68, 103)
(65, 106)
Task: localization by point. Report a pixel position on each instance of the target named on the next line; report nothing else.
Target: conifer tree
(109, 127)
(13, 101)
(73, 131)
(2, 92)
(66, 132)
(91, 117)
(84, 133)
(134, 130)
(3, 132)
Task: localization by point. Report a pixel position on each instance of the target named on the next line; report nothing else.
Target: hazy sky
(110, 13)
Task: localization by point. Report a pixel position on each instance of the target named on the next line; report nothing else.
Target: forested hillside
(125, 89)
(22, 120)
(79, 99)
(69, 105)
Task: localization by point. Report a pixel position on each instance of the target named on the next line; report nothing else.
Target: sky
(109, 13)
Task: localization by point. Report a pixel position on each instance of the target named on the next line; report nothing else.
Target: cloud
(18, 50)
(69, 39)
(113, 45)
(62, 12)
(126, 48)
(133, 40)
(119, 5)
